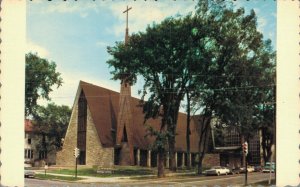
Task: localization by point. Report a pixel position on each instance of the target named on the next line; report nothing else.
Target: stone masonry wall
(211, 160)
(65, 157)
(96, 154)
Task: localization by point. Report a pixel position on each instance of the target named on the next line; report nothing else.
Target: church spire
(126, 32)
(124, 136)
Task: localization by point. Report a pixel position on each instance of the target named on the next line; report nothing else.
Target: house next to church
(33, 156)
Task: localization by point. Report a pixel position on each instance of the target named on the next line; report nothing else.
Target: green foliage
(51, 123)
(41, 75)
(161, 138)
(240, 70)
(216, 55)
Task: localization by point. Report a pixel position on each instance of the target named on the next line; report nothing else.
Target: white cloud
(102, 44)
(35, 48)
(257, 11)
(69, 7)
(144, 13)
(261, 23)
(84, 14)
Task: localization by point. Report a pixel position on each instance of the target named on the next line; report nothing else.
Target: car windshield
(216, 167)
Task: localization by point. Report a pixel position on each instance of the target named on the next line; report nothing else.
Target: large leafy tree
(238, 75)
(217, 52)
(206, 12)
(161, 56)
(50, 124)
(41, 75)
(266, 114)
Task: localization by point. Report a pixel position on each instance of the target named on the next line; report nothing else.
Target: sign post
(46, 167)
(245, 151)
(76, 155)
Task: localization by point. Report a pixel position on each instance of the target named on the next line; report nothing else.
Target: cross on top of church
(126, 34)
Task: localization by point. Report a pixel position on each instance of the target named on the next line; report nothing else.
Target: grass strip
(263, 183)
(55, 177)
(116, 172)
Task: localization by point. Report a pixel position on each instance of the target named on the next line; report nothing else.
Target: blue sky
(74, 34)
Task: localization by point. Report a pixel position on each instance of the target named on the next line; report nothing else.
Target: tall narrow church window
(124, 138)
(81, 130)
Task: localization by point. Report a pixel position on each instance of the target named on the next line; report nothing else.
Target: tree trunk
(160, 164)
(201, 156)
(267, 142)
(172, 155)
(199, 172)
(188, 131)
(172, 116)
(202, 142)
(171, 139)
(44, 147)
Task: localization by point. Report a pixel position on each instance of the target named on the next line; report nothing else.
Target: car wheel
(218, 173)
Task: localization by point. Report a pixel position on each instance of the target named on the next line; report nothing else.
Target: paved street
(233, 180)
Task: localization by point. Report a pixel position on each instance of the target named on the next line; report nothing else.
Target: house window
(29, 140)
(42, 154)
(28, 153)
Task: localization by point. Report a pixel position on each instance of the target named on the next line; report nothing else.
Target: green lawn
(115, 172)
(51, 177)
(263, 183)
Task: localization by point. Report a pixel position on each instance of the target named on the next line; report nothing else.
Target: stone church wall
(65, 157)
(95, 153)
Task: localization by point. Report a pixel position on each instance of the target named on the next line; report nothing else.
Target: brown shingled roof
(104, 106)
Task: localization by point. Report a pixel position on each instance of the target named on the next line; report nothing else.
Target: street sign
(76, 155)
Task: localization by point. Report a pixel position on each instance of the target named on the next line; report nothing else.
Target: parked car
(235, 170)
(249, 169)
(217, 170)
(29, 173)
(269, 167)
(257, 168)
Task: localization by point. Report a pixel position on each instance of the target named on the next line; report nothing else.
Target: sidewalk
(89, 179)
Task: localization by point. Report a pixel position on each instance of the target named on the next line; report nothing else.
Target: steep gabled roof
(104, 107)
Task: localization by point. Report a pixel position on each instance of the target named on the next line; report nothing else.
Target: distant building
(33, 157)
(230, 150)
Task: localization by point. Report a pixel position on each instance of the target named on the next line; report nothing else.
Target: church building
(108, 128)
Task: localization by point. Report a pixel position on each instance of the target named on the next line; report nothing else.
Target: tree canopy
(41, 75)
(50, 124)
